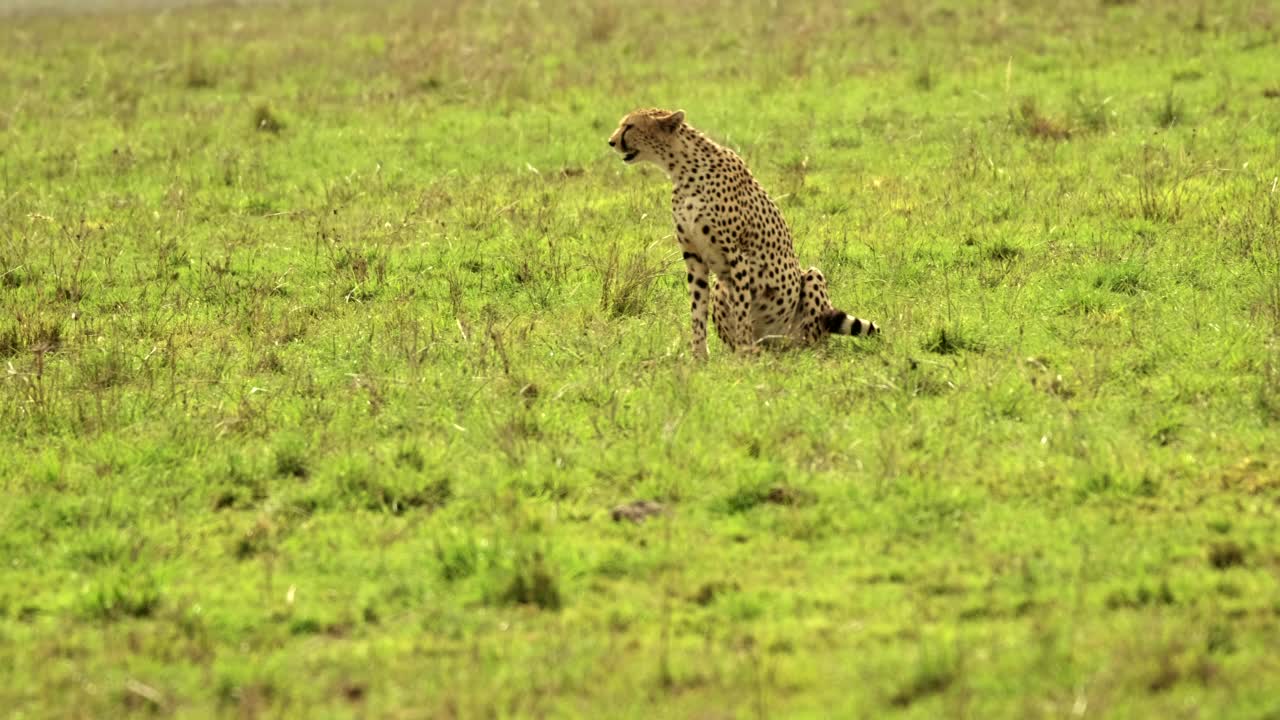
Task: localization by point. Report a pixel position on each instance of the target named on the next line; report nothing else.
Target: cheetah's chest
(697, 231)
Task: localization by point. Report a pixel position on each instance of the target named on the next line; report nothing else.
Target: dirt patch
(1225, 555)
(637, 511)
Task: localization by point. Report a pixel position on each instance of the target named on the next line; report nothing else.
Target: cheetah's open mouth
(627, 153)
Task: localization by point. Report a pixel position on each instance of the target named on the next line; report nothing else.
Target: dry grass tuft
(1040, 126)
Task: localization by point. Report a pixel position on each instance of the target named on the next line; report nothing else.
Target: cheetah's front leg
(700, 300)
(741, 295)
(722, 312)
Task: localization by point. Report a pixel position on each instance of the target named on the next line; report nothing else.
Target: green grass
(331, 335)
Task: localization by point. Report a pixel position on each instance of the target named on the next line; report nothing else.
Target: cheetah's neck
(693, 155)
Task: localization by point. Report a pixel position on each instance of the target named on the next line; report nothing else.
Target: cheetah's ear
(672, 122)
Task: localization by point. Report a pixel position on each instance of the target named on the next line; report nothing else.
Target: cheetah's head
(644, 134)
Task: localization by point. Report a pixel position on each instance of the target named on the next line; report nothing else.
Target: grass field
(331, 334)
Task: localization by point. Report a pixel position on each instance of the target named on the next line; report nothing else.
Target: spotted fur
(726, 224)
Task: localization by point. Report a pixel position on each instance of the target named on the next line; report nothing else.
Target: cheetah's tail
(838, 322)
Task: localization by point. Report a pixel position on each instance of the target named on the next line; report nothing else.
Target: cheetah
(726, 224)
